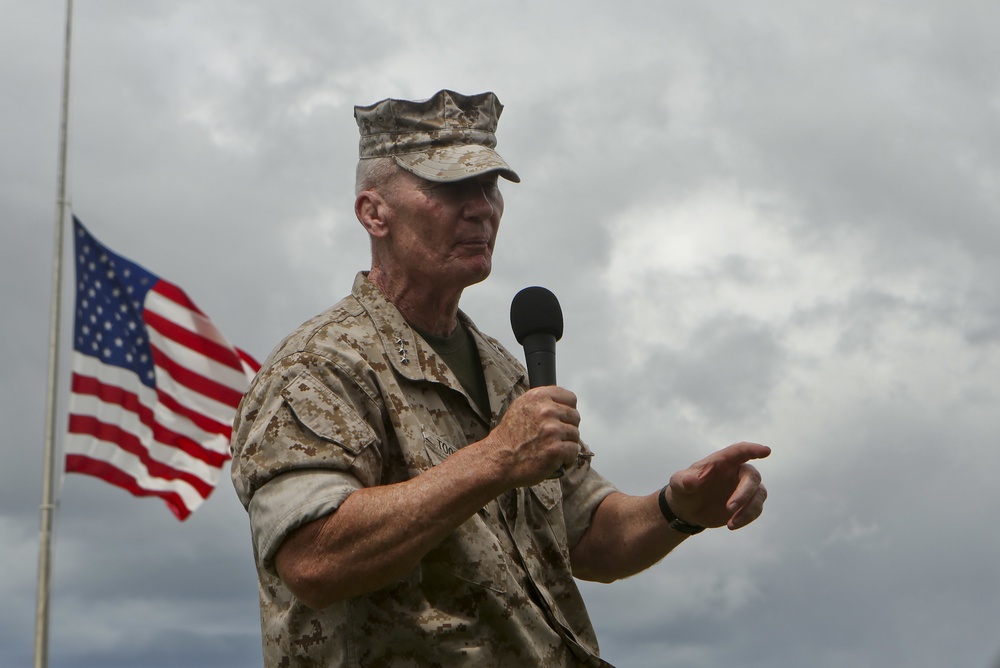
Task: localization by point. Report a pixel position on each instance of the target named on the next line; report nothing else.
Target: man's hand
(721, 489)
(538, 434)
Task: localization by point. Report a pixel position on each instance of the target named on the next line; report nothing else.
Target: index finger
(558, 394)
(752, 450)
(742, 452)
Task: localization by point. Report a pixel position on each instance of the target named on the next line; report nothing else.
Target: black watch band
(675, 523)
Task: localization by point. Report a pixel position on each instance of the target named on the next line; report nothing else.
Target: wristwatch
(676, 523)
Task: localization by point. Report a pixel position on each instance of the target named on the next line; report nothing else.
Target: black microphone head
(535, 310)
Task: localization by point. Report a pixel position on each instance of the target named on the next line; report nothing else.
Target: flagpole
(48, 506)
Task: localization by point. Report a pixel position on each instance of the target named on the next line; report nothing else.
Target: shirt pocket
(547, 511)
(324, 418)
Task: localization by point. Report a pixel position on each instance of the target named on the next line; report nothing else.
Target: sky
(768, 221)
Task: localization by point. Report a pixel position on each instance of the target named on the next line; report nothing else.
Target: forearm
(379, 534)
(627, 534)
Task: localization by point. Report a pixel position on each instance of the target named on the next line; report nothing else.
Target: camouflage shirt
(355, 398)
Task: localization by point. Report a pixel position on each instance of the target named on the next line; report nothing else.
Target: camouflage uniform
(355, 398)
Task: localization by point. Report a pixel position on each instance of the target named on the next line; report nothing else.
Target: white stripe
(110, 374)
(249, 371)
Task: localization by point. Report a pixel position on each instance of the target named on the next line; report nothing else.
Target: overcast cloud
(767, 221)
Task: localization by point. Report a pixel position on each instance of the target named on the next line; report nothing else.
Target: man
(397, 470)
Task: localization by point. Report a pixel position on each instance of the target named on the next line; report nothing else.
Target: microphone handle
(540, 361)
(541, 366)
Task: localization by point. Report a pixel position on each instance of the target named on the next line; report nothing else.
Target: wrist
(673, 521)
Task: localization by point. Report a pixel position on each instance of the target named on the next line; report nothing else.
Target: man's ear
(370, 208)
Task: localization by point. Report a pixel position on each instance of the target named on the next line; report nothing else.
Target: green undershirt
(460, 354)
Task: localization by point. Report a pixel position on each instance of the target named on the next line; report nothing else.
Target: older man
(396, 467)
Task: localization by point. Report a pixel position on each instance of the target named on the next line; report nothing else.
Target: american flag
(154, 385)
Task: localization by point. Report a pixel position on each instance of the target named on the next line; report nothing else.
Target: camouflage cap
(446, 137)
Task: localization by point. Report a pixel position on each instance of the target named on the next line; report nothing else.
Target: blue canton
(110, 292)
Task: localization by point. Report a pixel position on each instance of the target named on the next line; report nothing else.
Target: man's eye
(464, 188)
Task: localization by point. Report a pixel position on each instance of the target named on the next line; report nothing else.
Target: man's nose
(479, 203)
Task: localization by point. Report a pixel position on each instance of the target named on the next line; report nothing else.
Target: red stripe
(204, 346)
(86, 385)
(175, 294)
(108, 473)
(213, 389)
(250, 361)
(111, 394)
(129, 442)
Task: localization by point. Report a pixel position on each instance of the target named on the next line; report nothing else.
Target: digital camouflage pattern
(356, 398)
(447, 137)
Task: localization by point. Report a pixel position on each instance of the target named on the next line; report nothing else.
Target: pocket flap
(325, 414)
(548, 493)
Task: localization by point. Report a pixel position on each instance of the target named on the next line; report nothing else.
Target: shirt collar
(413, 358)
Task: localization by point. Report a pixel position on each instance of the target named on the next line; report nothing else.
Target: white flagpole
(51, 405)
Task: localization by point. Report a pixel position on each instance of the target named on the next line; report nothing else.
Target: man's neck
(431, 310)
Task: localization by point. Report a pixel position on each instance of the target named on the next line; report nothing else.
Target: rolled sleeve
(585, 491)
(292, 500)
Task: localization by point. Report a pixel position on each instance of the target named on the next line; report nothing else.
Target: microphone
(537, 321)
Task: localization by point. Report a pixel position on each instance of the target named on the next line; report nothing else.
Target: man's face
(444, 233)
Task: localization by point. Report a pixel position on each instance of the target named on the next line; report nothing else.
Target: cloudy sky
(770, 221)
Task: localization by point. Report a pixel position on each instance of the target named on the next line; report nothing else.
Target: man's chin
(478, 274)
